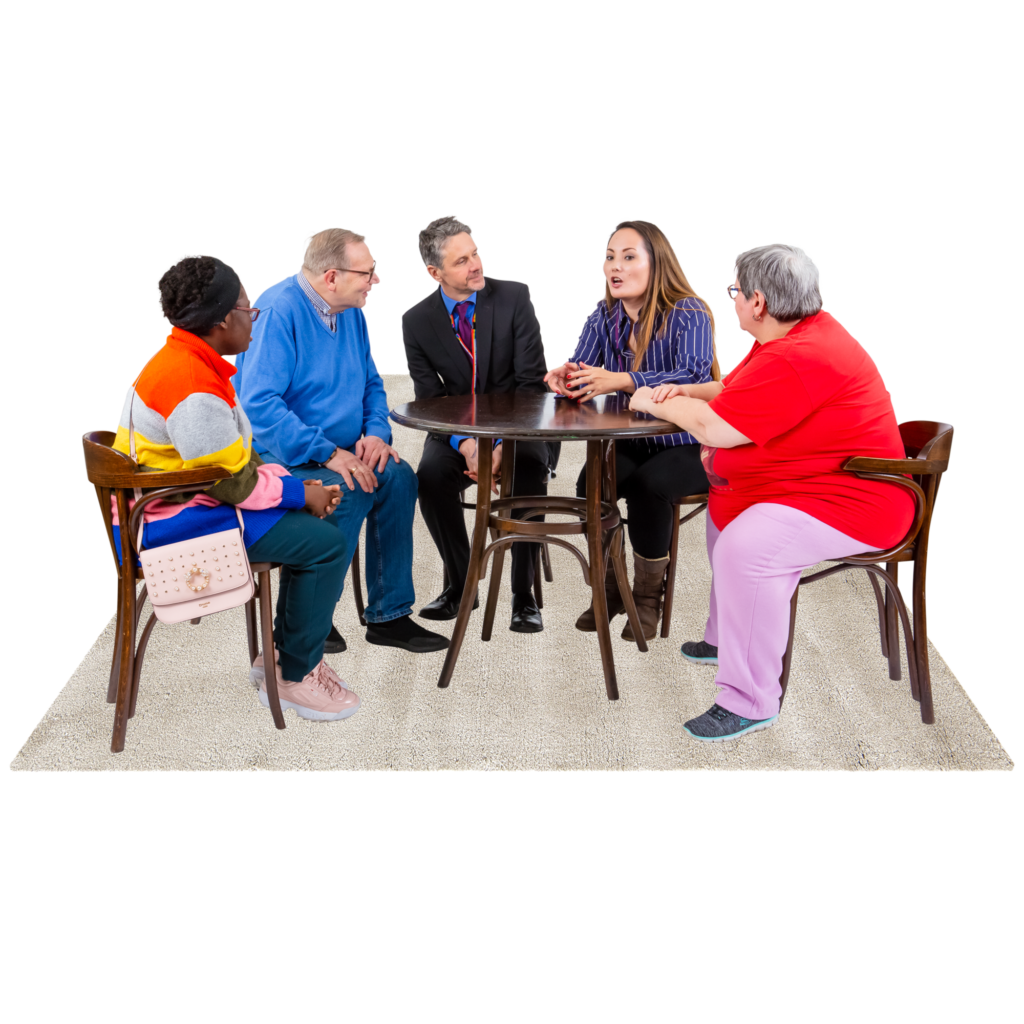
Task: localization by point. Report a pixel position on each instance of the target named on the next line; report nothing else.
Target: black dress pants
(651, 479)
(443, 479)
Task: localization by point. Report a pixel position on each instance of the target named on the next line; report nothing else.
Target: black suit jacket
(509, 352)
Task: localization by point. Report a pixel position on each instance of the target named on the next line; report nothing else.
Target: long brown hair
(666, 286)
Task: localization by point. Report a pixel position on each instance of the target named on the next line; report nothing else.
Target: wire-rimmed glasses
(369, 273)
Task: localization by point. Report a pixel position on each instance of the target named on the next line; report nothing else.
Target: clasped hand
(468, 450)
(321, 501)
(583, 382)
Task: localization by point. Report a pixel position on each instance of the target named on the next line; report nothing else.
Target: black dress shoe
(335, 642)
(525, 615)
(446, 606)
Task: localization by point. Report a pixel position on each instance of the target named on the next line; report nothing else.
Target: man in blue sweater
(317, 405)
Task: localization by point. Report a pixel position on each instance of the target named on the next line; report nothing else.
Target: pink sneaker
(258, 673)
(319, 697)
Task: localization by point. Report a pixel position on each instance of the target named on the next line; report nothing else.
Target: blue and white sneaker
(717, 724)
(700, 652)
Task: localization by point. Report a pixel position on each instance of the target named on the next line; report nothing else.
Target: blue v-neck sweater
(305, 388)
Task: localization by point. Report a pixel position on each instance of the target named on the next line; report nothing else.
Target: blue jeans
(388, 512)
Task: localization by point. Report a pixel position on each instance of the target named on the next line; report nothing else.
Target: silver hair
(785, 276)
(434, 237)
(326, 250)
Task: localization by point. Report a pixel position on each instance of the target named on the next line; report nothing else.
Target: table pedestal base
(605, 540)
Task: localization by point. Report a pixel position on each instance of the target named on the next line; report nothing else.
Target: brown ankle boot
(586, 622)
(648, 589)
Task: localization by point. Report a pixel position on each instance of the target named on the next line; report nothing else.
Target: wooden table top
(530, 414)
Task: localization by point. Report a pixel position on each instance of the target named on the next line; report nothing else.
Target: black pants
(651, 479)
(442, 479)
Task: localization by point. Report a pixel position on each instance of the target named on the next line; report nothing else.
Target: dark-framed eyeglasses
(369, 273)
(734, 290)
(253, 313)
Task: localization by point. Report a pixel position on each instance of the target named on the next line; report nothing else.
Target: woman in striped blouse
(650, 329)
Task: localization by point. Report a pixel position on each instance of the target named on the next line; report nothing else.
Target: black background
(551, 236)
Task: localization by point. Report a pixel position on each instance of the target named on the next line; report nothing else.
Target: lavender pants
(755, 564)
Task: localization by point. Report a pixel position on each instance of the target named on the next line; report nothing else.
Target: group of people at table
(301, 421)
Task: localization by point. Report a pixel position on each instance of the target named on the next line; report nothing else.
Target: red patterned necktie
(465, 333)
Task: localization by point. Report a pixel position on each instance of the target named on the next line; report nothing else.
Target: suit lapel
(442, 325)
(484, 334)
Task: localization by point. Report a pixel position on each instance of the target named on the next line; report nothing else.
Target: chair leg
(883, 628)
(126, 668)
(357, 588)
(617, 549)
(497, 563)
(670, 579)
(252, 629)
(787, 658)
(270, 669)
(115, 660)
(538, 592)
(140, 654)
(892, 629)
(924, 675)
(545, 557)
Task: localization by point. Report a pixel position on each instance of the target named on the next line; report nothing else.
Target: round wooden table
(523, 415)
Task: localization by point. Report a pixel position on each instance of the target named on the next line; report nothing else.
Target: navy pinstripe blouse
(680, 351)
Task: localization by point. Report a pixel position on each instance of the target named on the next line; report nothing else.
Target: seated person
(317, 406)
(650, 329)
(481, 337)
(776, 431)
(185, 415)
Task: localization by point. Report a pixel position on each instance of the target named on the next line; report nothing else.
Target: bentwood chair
(115, 475)
(927, 446)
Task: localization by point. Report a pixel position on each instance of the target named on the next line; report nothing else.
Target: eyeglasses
(368, 273)
(253, 313)
(734, 291)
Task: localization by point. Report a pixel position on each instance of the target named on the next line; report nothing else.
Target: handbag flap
(189, 570)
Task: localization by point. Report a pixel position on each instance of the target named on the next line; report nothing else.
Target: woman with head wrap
(775, 433)
(184, 414)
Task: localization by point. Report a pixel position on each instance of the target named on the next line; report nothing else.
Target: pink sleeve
(268, 489)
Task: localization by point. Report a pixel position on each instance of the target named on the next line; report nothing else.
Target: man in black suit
(473, 336)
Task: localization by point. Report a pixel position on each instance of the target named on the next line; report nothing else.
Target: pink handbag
(192, 578)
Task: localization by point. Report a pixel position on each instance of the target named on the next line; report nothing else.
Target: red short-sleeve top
(808, 402)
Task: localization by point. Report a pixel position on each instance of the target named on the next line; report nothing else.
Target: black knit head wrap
(219, 297)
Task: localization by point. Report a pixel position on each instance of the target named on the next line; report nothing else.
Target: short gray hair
(785, 276)
(434, 237)
(326, 250)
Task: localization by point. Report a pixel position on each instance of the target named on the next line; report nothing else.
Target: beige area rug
(520, 701)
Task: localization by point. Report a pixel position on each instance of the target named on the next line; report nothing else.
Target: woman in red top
(775, 433)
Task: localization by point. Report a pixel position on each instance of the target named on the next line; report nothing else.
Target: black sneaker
(717, 724)
(700, 652)
(335, 642)
(405, 633)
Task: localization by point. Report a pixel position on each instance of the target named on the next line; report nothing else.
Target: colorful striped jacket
(185, 415)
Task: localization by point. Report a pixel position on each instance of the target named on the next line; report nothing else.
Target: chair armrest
(916, 467)
(164, 492)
